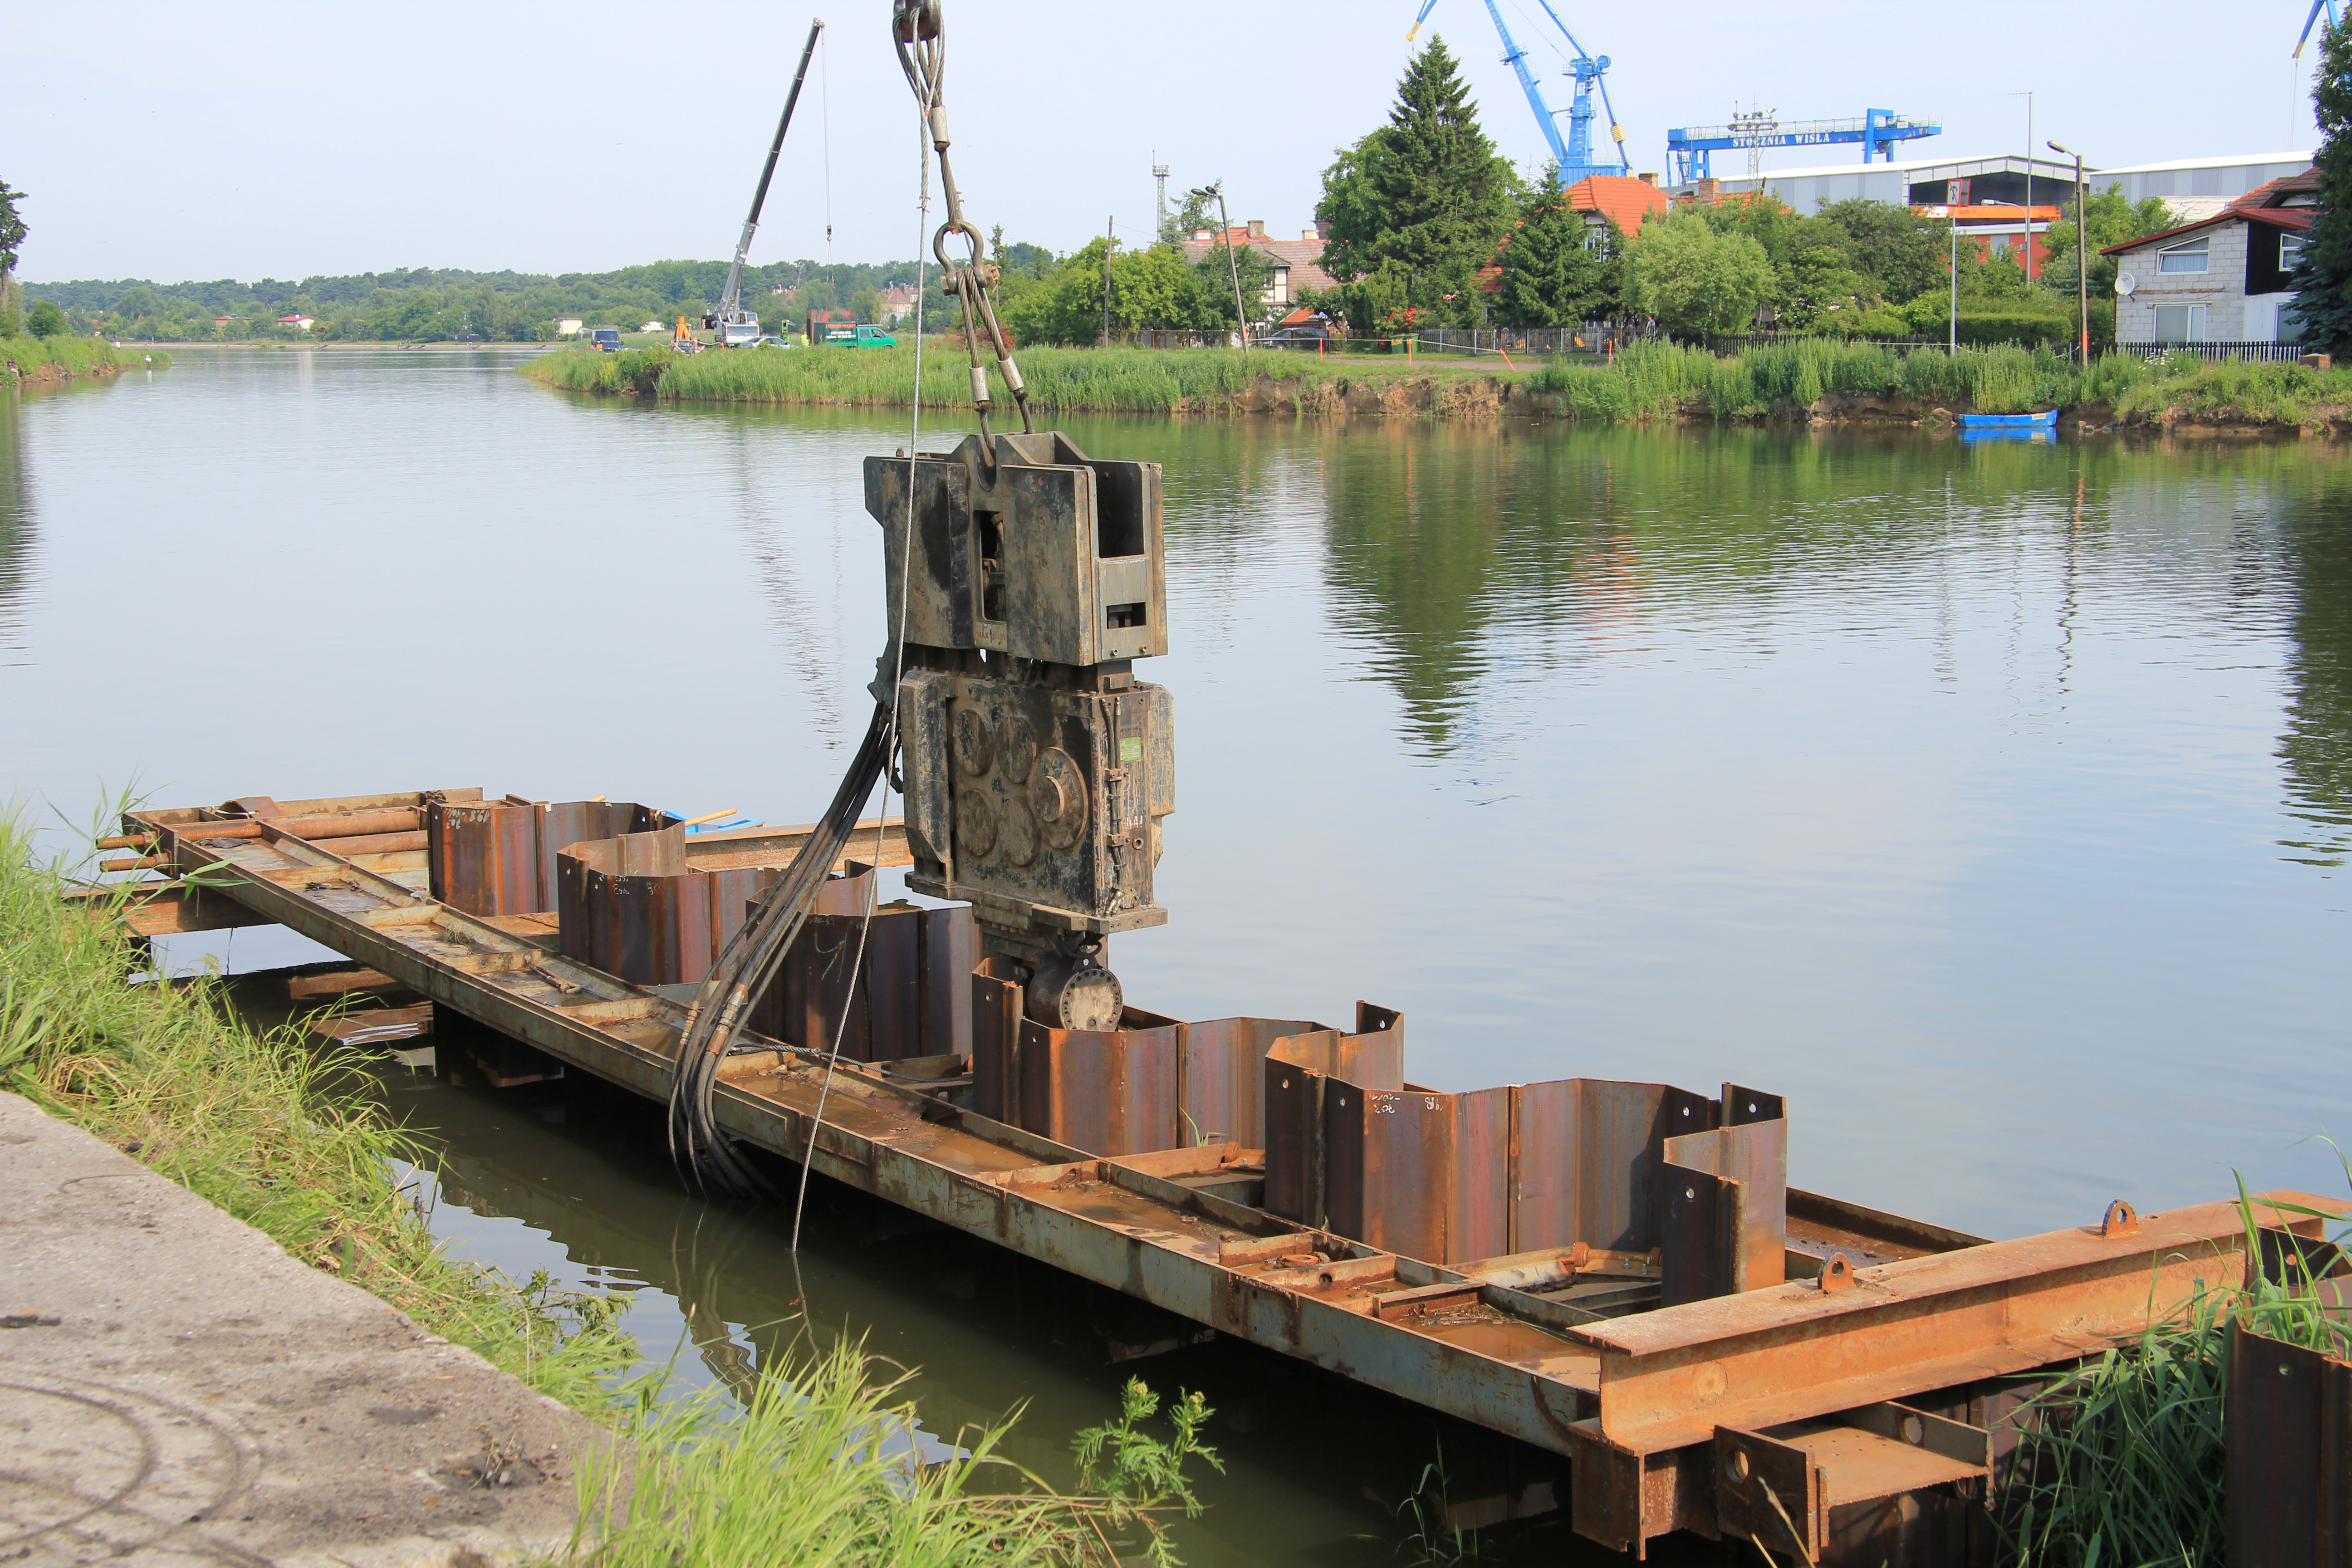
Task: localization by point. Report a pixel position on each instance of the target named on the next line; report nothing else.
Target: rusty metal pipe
(372, 843)
(347, 824)
(127, 841)
(144, 863)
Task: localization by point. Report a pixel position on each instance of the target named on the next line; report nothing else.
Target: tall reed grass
(2123, 1458)
(1647, 379)
(1121, 381)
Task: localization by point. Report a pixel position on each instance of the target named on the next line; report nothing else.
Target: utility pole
(2029, 181)
(1952, 346)
(2081, 251)
(1110, 229)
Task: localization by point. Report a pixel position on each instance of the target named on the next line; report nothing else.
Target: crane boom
(1516, 58)
(1572, 153)
(2308, 22)
(734, 323)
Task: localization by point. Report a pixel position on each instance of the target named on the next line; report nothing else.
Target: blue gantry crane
(2313, 20)
(1877, 131)
(1572, 153)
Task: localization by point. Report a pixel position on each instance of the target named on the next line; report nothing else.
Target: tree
(2114, 219)
(44, 319)
(1422, 201)
(1899, 254)
(2323, 278)
(1197, 212)
(1558, 269)
(12, 240)
(1695, 280)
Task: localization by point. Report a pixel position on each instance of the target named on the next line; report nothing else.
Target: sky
(278, 140)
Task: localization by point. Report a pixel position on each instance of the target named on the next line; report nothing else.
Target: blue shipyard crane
(2313, 20)
(1572, 153)
(1688, 148)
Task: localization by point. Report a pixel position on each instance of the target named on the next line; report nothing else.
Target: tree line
(428, 304)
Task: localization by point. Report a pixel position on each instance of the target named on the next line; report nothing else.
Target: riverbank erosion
(1810, 380)
(199, 1396)
(33, 361)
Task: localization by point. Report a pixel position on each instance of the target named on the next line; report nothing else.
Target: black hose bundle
(748, 963)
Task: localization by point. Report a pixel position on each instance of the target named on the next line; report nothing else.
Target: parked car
(606, 339)
(1299, 337)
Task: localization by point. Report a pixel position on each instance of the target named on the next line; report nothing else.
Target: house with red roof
(1603, 199)
(2223, 279)
(1297, 263)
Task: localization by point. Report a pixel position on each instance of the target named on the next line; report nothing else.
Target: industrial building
(2194, 187)
(1921, 182)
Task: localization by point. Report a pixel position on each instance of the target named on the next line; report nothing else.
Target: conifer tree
(2324, 276)
(1554, 275)
(1426, 197)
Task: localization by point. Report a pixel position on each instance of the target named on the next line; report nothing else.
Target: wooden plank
(375, 1026)
(301, 986)
(171, 908)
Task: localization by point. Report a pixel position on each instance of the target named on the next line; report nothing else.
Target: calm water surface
(1991, 801)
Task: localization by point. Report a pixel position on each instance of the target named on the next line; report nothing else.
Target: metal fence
(1155, 338)
(2267, 353)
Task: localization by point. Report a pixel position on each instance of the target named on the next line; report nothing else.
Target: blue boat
(2042, 421)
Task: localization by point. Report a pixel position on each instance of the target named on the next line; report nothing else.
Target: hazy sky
(280, 140)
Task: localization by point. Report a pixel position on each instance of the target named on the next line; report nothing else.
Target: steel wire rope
(897, 674)
(824, 119)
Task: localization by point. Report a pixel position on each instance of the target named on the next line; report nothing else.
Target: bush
(44, 319)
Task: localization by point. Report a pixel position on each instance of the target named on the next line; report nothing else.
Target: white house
(2223, 279)
(567, 326)
(300, 324)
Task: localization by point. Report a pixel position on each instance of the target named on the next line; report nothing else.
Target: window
(2189, 257)
(2180, 323)
(2290, 251)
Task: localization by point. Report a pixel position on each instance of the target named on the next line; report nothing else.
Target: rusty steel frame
(1903, 1313)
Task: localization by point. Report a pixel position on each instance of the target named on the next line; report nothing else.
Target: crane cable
(897, 674)
(748, 962)
(920, 34)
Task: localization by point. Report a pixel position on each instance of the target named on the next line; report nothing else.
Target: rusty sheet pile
(1615, 1272)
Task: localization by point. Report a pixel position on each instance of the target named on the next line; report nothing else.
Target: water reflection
(2317, 748)
(16, 527)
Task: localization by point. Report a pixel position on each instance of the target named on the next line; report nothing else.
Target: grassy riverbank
(62, 358)
(291, 1140)
(1806, 379)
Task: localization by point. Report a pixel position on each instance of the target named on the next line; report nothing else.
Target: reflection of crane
(735, 325)
(1573, 153)
(2313, 20)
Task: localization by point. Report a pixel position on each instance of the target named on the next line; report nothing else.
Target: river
(1991, 801)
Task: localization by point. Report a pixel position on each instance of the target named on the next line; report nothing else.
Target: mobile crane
(737, 327)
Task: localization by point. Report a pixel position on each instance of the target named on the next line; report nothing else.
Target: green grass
(258, 1124)
(290, 1140)
(2124, 1459)
(72, 355)
(815, 1468)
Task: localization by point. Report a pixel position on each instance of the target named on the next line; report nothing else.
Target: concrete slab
(176, 1389)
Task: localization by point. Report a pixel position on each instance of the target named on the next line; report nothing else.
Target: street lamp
(2082, 250)
(1233, 265)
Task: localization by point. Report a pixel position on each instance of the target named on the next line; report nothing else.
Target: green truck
(842, 327)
